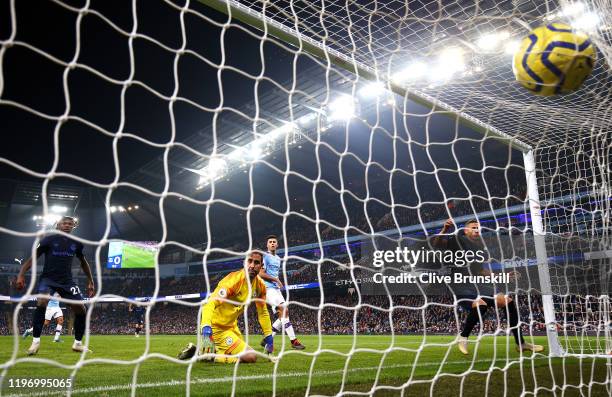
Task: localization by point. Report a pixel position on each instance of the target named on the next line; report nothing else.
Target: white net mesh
(205, 126)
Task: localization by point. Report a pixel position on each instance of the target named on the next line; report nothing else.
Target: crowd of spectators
(338, 315)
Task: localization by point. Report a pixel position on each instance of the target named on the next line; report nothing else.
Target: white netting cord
(583, 312)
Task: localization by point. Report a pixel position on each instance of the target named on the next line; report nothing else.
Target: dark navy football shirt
(59, 253)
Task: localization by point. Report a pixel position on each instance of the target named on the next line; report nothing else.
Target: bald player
(219, 323)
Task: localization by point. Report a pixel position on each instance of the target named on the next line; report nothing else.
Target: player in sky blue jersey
(54, 311)
(60, 251)
(270, 274)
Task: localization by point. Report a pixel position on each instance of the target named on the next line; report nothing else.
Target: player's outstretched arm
(91, 289)
(440, 242)
(20, 283)
(264, 320)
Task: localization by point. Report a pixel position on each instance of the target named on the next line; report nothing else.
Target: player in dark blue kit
(478, 298)
(138, 312)
(59, 251)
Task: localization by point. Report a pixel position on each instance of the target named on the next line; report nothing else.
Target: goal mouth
(440, 228)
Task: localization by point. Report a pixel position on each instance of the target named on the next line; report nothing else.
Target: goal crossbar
(316, 49)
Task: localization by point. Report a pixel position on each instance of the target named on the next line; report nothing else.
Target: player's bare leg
(283, 314)
(58, 329)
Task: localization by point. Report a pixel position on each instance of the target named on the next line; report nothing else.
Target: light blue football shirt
(272, 265)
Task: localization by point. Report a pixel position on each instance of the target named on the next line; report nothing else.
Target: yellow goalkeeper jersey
(234, 287)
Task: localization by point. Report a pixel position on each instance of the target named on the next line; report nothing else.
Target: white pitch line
(226, 379)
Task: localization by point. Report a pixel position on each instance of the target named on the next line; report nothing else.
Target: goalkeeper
(219, 325)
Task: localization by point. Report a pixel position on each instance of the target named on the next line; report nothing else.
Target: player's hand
(208, 345)
(269, 341)
(449, 224)
(91, 289)
(20, 282)
(279, 284)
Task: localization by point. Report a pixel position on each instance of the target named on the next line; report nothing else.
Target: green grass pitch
(330, 365)
(136, 257)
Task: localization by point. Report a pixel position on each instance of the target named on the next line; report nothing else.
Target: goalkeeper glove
(208, 345)
(269, 344)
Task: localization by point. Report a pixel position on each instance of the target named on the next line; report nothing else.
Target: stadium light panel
(50, 219)
(255, 152)
(491, 41)
(450, 61)
(372, 90)
(572, 9)
(59, 209)
(307, 119)
(511, 47)
(285, 129)
(216, 167)
(343, 108)
(413, 71)
(587, 22)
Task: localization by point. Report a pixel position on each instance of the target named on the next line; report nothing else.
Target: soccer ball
(554, 59)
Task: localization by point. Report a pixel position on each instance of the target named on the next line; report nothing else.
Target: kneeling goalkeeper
(219, 325)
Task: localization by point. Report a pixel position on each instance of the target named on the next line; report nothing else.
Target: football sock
(58, 331)
(288, 328)
(472, 319)
(276, 327)
(38, 321)
(513, 320)
(79, 326)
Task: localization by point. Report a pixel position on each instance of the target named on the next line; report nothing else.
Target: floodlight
(572, 9)
(587, 22)
(372, 90)
(58, 209)
(512, 47)
(491, 41)
(411, 72)
(343, 108)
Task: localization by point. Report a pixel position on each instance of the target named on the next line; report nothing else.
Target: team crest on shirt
(229, 340)
(73, 247)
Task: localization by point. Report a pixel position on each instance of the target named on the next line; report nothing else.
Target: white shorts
(274, 298)
(53, 312)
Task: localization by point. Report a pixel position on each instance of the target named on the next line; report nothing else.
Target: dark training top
(460, 242)
(59, 253)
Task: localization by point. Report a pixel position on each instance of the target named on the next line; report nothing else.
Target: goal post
(541, 255)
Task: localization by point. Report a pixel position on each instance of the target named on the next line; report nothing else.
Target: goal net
(197, 128)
